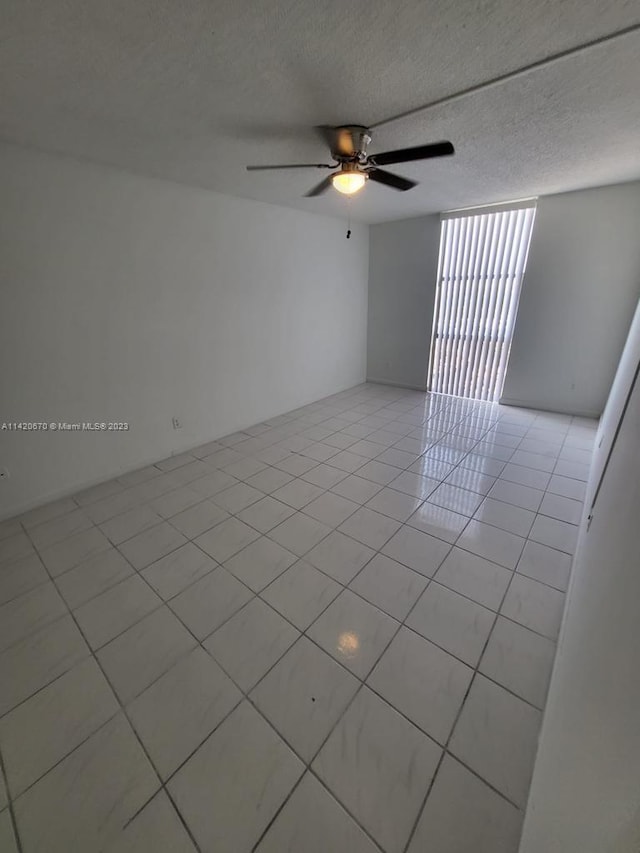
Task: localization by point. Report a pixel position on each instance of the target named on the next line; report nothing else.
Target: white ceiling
(193, 91)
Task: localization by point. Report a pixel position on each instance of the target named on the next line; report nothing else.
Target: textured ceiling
(194, 90)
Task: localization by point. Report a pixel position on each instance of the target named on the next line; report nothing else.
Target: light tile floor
(332, 631)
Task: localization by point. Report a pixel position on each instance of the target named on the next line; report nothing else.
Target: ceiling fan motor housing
(351, 143)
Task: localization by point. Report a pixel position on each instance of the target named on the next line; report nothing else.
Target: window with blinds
(483, 254)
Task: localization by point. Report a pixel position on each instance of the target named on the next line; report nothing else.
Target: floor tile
(397, 505)
(455, 499)
(251, 642)
(399, 458)
(266, 514)
(151, 544)
(112, 612)
(171, 574)
(453, 622)
(463, 815)
(497, 736)
(295, 464)
(368, 449)
(438, 521)
(317, 690)
(92, 577)
(379, 766)
(269, 479)
(414, 484)
(475, 577)
(427, 466)
(539, 461)
(389, 585)
(493, 544)
(29, 613)
(245, 468)
(156, 828)
(175, 501)
(37, 660)
(486, 465)
(564, 509)
(211, 484)
(314, 822)
(423, 682)
(417, 550)
(516, 494)
(14, 547)
(379, 472)
(348, 461)
(73, 550)
(369, 527)
(54, 509)
(574, 470)
(197, 519)
(209, 602)
(229, 791)
(115, 505)
(57, 529)
(339, 556)
(356, 489)
(53, 722)
(534, 605)
(324, 476)
(237, 498)
(178, 711)
(473, 481)
(354, 632)
(519, 660)
(299, 533)
(301, 593)
(331, 509)
(556, 534)
(7, 837)
(525, 476)
(143, 652)
(226, 539)
(20, 576)
(84, 802)
(260, 563)
(567, 487)
(297, 493)
(545, 564)
(507, 516)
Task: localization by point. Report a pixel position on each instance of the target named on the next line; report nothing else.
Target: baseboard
(541, 407)
(396, 384)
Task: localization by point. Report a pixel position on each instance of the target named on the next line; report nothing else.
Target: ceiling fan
(353, 166)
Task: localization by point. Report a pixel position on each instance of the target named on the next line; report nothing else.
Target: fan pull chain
(348, 217)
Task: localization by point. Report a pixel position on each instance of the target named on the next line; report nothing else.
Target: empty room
(319, 426)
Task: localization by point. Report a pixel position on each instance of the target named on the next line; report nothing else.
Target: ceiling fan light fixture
(348, 182)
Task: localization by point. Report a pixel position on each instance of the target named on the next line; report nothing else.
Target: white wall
(403, 263)
(137, 300)
(585, 793)
(580, 290)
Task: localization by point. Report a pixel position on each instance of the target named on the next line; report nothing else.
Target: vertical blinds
(480, 270)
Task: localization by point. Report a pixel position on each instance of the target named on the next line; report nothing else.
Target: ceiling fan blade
(320, 188)
(406, 155)
(338, 139)
(389, 180)
(291, 166)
